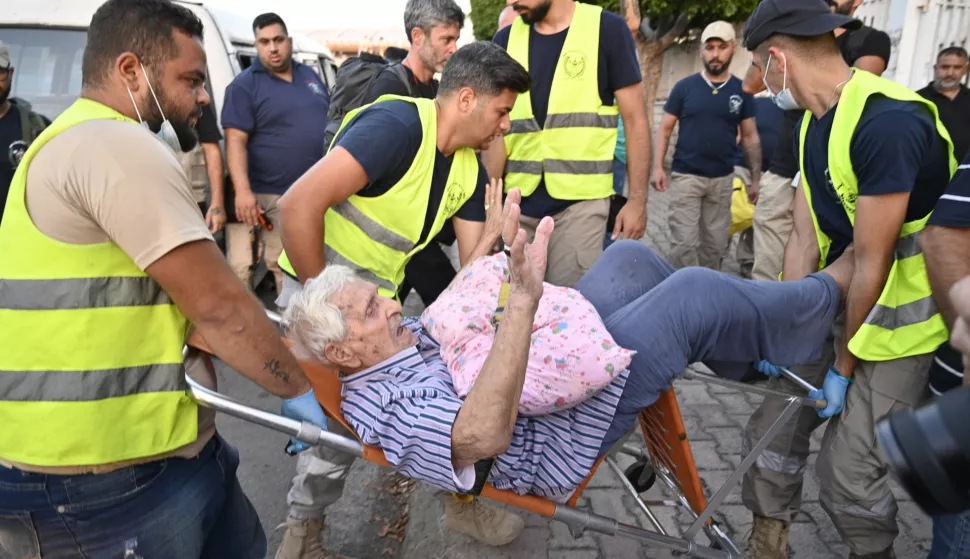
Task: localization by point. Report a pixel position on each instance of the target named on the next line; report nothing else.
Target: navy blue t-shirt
(384, 138)
(707, 141)
(895, 148)
(953, 208)
(618, 68)
(285, 122)
(769, 119)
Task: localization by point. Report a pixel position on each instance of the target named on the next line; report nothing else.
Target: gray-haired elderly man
(398, 393)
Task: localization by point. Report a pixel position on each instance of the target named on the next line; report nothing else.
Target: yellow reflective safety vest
(574, 148)
(377, 236)
(91, 371)
(905, 320)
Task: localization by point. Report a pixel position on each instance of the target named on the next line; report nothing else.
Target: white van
(46, 39)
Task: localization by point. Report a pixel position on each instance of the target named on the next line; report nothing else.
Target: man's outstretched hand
(527, 261)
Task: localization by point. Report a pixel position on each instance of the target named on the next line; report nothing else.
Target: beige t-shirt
(110, 179)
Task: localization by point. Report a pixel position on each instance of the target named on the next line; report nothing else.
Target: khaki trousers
(853, 476)
(772, 225)
(577, 240)
(700, 220)
(240, 241)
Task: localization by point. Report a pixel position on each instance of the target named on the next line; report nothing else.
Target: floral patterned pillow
(572, 356)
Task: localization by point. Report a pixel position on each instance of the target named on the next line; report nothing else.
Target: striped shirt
(407, 406)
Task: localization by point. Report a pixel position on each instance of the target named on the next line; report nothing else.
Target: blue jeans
(673, 318)
(170, 508)
(951, 537)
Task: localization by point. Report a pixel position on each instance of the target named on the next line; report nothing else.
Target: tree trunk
(651, 55)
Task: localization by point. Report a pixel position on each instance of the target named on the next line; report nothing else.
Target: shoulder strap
(401, 72)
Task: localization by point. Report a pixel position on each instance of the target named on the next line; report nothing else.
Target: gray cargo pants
(700, 220)
(320, 472)
(853, 476)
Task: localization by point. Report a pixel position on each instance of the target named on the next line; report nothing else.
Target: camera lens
(929, 450)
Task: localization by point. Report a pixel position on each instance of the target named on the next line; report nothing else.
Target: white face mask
(166, 132)
(784, 99)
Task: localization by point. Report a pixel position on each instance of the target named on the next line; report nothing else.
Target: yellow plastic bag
(742, 211)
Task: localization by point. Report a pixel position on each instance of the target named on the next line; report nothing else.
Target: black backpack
(353, 78)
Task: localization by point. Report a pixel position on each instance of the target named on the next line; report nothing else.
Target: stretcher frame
(666, 451)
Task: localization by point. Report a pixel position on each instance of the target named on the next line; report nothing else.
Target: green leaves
(701, 12)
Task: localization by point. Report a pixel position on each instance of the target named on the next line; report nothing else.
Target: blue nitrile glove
(303, 408)
(767, 368)
(833, 391)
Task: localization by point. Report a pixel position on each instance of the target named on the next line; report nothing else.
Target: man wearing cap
(19, 125)
(862, 47)
(710, 107)
(874, 160)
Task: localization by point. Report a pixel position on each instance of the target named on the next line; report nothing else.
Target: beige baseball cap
(718, 30)
(4, 56)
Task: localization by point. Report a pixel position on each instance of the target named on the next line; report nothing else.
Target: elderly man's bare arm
(484, 426)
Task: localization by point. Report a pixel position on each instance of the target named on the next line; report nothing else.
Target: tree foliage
(662, 14)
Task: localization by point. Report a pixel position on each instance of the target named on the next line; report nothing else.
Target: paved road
(375, 504)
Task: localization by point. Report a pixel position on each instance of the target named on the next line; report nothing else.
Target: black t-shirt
(385, 139)
(387, 82)
(853, 45)
(864, 41)
(955, 115)
(784, 163)
(618, 68)
(207, 128)
(895, 148)
(12, 148)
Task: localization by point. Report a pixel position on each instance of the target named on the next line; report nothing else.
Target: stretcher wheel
(641, 475)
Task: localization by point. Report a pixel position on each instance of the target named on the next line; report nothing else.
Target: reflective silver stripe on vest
(334, 257)
(565, 120)
(908, 246)
(524, 126)
(375, 231)
(582, 120)
(80, 293)
(86, 386)
(567, 167)
(524, 167)
(916, 312)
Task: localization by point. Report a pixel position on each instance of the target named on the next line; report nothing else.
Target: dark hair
(395, 54)
(267, 19)
(486, 68)
(425, 14)
(142, 27)
(952, 51)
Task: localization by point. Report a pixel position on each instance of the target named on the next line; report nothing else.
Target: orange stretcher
(666, 456)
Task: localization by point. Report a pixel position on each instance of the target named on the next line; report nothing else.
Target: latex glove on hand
(767, 368)
(833, 391)
(303, 408)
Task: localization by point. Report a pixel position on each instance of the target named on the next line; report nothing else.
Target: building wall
(919, 30)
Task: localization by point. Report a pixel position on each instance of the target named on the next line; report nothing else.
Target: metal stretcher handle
(302, 431)
(820, 404)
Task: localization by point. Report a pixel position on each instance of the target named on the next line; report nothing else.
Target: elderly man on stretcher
(522, 417)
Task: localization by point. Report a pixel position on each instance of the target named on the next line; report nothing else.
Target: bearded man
(710, 107)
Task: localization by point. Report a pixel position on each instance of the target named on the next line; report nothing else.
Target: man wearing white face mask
(874, 159)
(107, 260)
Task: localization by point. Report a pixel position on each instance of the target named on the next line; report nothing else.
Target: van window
(47, 66)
